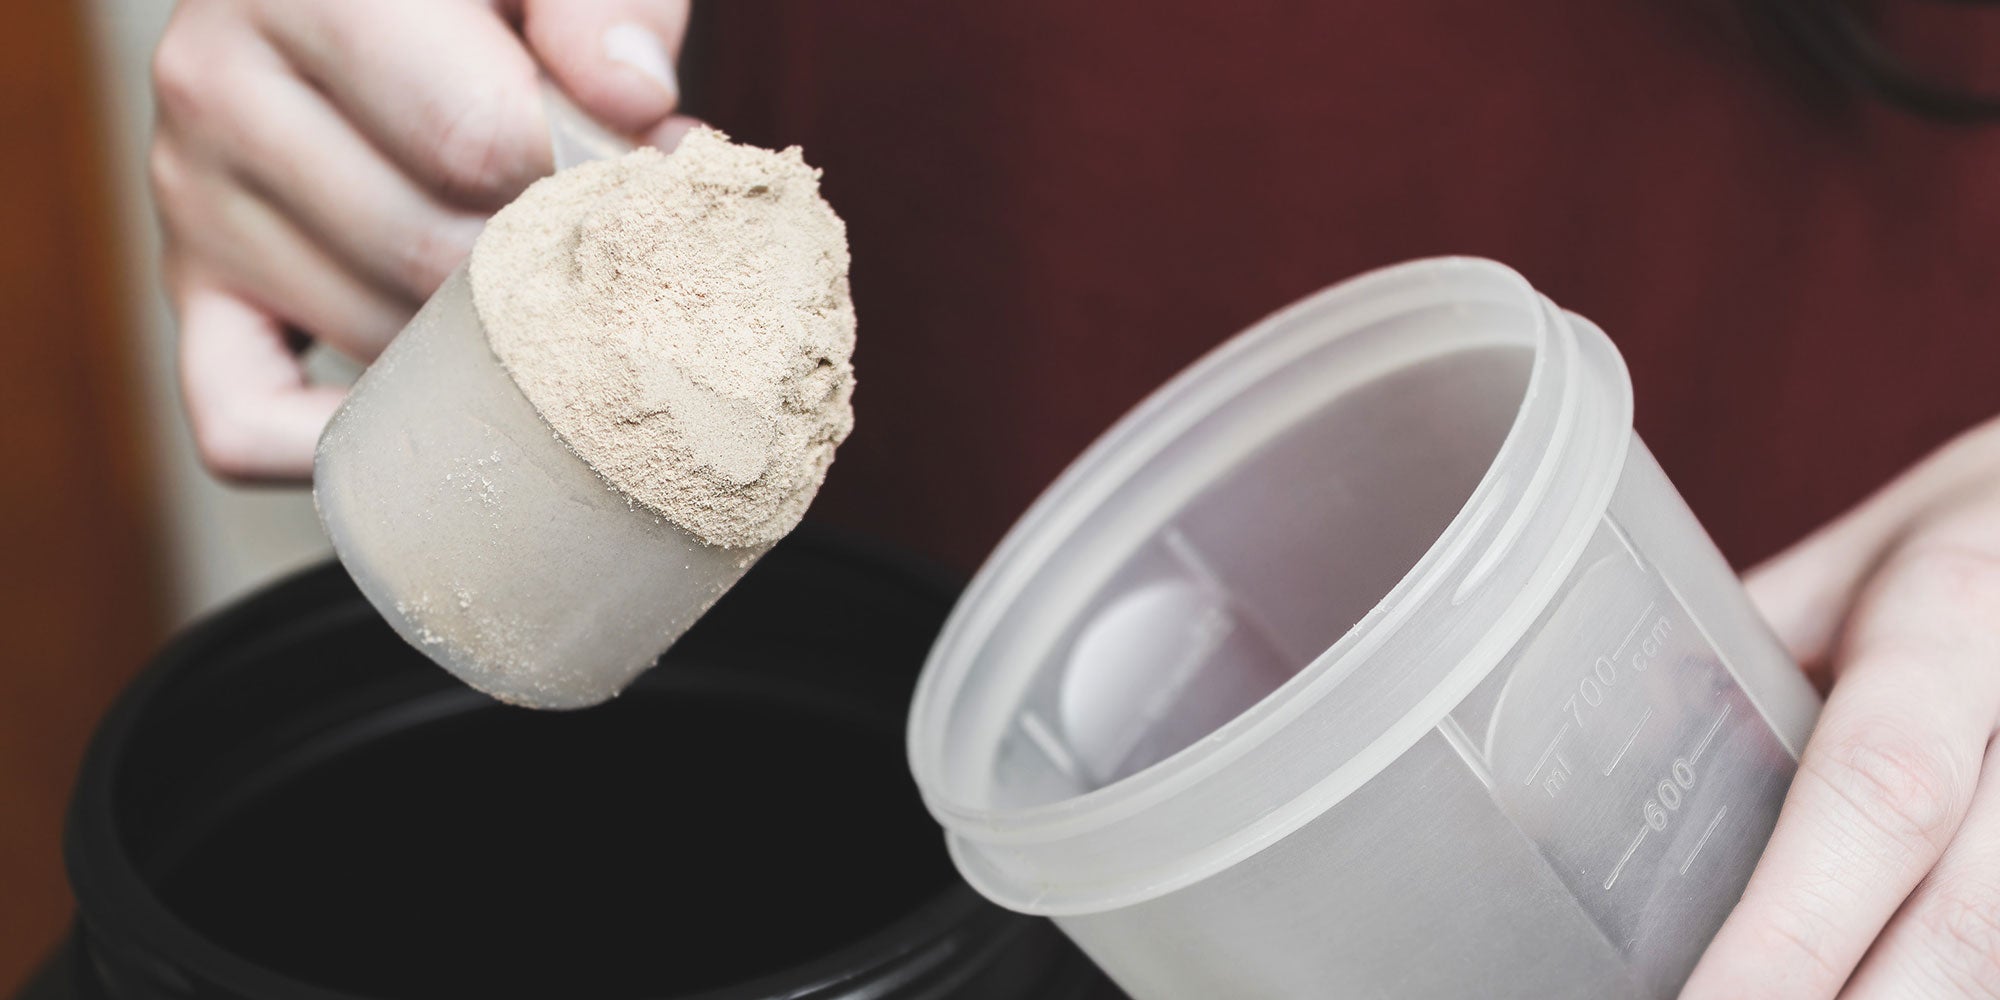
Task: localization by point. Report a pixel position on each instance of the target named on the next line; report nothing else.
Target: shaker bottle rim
(1268, 771)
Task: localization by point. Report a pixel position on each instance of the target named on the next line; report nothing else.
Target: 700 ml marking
(1607, 671)
(1650, 630)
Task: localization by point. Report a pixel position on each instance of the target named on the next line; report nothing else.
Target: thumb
(615, 58)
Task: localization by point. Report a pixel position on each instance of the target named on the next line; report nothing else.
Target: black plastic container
(291, 804)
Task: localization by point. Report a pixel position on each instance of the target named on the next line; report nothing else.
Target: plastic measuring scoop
(1372, 656)
(481, 538)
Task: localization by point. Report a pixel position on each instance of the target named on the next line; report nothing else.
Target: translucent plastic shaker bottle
(481, 538)
(1373, 656)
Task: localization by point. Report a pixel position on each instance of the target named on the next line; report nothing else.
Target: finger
(295, 149)
(668, 134)
(1882, 785)
(258, 255)
(254, 414)
(615, 58)
(1806, 591)
(1945, 942)
(447, 89)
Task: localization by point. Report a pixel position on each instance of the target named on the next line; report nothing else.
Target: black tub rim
(125, 917)
(103, 873)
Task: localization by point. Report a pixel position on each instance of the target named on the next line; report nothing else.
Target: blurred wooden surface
(79, 599)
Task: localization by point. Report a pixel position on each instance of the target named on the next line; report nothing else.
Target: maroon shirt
(1054, 205)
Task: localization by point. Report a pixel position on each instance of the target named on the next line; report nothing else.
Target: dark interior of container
(318, 799)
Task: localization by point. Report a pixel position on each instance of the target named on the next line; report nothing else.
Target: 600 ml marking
(1665, 802)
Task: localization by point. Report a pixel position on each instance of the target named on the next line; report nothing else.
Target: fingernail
(638, 47)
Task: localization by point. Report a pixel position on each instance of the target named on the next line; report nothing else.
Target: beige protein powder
(683, 323)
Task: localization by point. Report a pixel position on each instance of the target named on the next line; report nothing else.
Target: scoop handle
(574, 136)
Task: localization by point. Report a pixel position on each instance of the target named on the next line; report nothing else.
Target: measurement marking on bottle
(1629, 740)
(1537, 769)
(1619, 869)
(1703, 842)
(1713, 727)
(1644, 617)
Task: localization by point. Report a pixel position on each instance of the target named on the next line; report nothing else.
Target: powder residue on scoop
(683, 323)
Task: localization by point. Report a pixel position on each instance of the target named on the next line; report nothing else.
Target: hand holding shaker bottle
(1372, 656)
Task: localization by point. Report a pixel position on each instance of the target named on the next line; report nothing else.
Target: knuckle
(1960, 574)
(1797, 930)
(223, 443)
(480, 147)
(429, 257)
(167, 172)
(1904, 786)
(186, 207)
(180, 74)
(1960, 925)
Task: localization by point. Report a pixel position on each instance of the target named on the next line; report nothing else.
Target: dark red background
(1056, 205)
